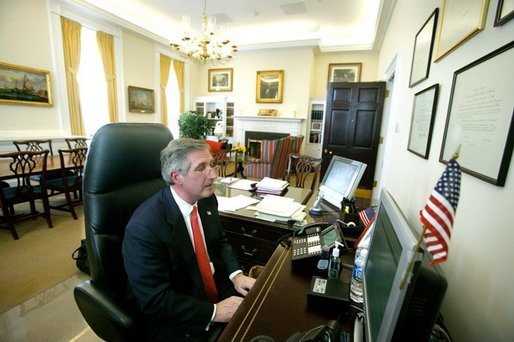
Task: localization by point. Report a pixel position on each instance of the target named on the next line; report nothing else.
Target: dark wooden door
(352, 124)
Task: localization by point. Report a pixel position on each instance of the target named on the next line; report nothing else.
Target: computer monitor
(341, 180)
(393, 313)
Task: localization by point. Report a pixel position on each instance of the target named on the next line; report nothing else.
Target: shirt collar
(185, 208)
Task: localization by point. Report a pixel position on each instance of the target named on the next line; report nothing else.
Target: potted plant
(193, 125)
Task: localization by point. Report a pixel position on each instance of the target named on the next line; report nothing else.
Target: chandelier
(207, 45)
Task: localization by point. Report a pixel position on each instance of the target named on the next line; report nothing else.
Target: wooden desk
(53, 163)
(277, 304)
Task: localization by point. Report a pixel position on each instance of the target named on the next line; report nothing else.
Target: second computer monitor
(341, 180)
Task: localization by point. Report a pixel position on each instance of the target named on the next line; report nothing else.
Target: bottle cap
(335, 252)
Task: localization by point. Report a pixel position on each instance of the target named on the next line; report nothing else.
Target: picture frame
(316, 126)
(422, 121)
(460, 20)
(504, 12)
(270, 86)
(480, 120)
(267, 112)
(141, 100)
(344, 72)
(21, 85)
(423, 46)
(220, 80)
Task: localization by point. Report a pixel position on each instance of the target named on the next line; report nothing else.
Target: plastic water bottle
(334, 267)
(361, 255)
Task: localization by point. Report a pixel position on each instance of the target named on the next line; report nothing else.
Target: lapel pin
(209, 213)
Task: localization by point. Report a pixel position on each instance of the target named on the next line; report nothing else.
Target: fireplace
(254, 138)
(257, 128)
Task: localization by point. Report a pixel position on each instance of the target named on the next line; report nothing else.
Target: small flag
(439, 212)
(366, 216)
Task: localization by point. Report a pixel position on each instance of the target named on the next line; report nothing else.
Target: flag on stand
(439, 212)
(366, 215)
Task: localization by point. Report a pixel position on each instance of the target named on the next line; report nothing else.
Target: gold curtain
(71, 46)
(179, 71)
(106, 47)
(165, 72)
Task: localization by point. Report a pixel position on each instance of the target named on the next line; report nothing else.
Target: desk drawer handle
(252, 253)
(250, 234)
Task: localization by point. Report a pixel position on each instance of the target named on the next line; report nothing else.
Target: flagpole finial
(456, 153)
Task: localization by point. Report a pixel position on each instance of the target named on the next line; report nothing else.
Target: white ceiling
(333, 25)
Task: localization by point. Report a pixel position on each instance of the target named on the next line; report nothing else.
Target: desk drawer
(247, 248)
(253, 230)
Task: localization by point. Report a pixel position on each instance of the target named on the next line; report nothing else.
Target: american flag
(439, 212)
(366, 216)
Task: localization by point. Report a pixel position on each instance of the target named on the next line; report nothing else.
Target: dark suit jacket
(164, 281)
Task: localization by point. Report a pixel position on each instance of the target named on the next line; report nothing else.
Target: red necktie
(203, 260)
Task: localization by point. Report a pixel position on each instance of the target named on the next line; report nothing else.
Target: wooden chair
(34, 145)
(304, 166)
(24, 165)
(79, 142)
(69, 182)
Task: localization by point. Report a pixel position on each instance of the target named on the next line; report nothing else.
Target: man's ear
(176, 177)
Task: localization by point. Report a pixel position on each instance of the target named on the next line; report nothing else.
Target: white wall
(25, 41)
(478, 305)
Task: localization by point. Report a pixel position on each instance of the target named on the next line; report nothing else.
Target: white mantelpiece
(272, 124)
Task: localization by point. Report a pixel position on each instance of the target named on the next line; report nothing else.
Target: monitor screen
(391, 312)
(341, 180)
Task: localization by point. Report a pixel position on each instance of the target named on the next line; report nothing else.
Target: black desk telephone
(309, 241)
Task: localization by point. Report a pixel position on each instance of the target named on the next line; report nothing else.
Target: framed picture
(140, 100)
(504, 12)
(220, 79)
(270, 85)
(316, 126)
(423, 46)
(24, 86)
(460, 20)
(344, 72)
(422, 121)
(480, 120)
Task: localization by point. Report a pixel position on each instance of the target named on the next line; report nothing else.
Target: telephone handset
(309, 241)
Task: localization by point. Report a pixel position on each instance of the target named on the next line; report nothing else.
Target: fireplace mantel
(265, 124)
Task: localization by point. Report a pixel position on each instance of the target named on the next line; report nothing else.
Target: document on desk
(278, 206)
(235, 203)
(243, 184)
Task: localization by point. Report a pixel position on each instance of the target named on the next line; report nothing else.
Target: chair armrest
(106, 313)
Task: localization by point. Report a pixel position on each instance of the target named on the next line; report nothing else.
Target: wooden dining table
(53, 164)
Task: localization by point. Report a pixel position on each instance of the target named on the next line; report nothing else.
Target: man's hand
(226, 308)
(242, 283)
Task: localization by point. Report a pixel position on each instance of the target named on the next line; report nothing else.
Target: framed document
(480, 116)
(504, 12)
(422, 54)
(460, 20)
(422, 121)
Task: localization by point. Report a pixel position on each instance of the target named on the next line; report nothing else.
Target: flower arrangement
(240, 149)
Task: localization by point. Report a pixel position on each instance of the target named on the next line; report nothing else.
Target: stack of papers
(243, 184)
(234, 203)
(277, 208)
(271, 186)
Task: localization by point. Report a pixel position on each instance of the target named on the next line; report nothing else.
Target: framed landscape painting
(24, 86)
(220, 79)
(344, 72)
(140, 100)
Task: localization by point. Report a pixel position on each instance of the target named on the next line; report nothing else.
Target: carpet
(40, 259)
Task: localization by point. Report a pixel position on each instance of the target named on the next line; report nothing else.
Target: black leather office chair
(122, 170)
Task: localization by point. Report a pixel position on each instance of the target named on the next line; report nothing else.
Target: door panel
(352, 124)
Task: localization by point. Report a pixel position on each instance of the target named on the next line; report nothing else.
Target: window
(173, 102)
(92, 84)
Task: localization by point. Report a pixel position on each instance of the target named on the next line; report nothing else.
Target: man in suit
(163, 257)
